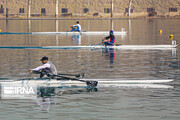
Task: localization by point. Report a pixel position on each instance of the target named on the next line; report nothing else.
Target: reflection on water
(109, 54)
(47, 95)
(76, 39)
(44, 104)
(57, 91)
(142, 64)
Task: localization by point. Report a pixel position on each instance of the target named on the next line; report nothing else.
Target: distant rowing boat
(122, 32)
(114, 46)
(81, 33)
(131, 47)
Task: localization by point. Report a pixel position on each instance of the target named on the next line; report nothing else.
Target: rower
(46, 69)
(76, 28)
(111, 37)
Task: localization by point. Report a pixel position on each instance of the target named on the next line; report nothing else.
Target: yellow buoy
(0, 30)
(160, 31)
(171, 37)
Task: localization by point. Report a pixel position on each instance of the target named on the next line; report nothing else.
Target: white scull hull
(101, 82)
(80, 33)
(121, 47)
(122, 32)
(131, 47)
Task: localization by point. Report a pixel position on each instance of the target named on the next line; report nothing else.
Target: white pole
(56, 8)
(6, 10)
(129, 8)
(29, 9)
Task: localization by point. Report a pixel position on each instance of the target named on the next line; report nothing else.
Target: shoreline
(89, 18)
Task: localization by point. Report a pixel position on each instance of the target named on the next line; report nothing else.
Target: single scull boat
(122, 47)
(81, 82)
(122, 32)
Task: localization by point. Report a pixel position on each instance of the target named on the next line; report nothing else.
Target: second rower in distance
(111, 37)
(76, 28)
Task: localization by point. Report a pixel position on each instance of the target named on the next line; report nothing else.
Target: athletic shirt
(47, 65)
(112, 38)
(78, 27)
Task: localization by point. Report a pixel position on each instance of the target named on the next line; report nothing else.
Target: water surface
(105, 103)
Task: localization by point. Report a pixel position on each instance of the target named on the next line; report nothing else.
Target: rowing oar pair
(89, 83)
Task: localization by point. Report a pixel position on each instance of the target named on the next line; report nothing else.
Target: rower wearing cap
(46, 69)
(111, 37)
(76, 28)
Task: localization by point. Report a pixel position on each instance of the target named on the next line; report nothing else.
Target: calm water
(105, 103)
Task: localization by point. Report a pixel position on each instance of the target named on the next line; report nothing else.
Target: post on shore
(56, 8)
(29, 9)
(112, 8)
(83, 8)
(129, 8)
(6, 10)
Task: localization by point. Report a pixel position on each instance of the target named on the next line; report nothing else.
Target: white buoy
(173, 42)
(122, 30)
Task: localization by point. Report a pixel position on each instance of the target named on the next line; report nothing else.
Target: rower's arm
(106, 38)
(41, 67)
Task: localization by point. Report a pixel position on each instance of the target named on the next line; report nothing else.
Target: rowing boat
(122, 47)
(82, 82)
(132, 47)
(122, 32)
(66, 33)
(81, 33)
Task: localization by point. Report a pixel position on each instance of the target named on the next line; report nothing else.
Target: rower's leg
(42, 74)
(72, 29)
(109, 43)
(106, 43)
(47, 72)
(77, 30)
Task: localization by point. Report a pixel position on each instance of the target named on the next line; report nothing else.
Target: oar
(76, 75)
(102, 43)
(89, 83)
